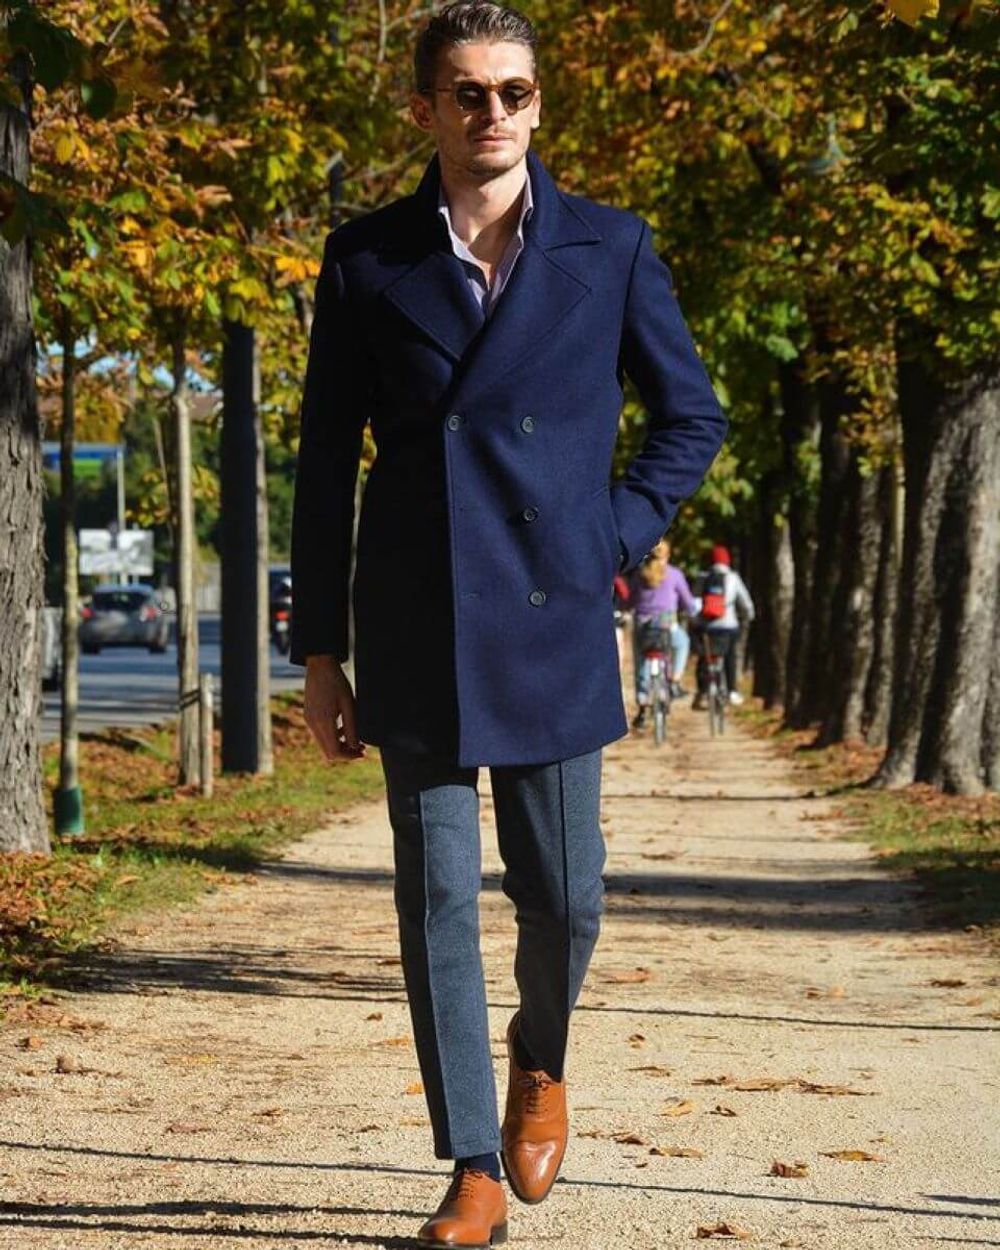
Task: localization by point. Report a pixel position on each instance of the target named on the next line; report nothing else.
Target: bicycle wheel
(659, 722)
(658, 697)
(713, 703)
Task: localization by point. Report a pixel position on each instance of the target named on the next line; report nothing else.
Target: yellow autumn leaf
(911, 11)
(65, 147)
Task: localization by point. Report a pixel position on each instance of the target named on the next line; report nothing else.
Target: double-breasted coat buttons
(529, 514)
(537, 598)
(527, 424)
(454, 421)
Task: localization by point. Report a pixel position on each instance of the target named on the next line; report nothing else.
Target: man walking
(482, 326)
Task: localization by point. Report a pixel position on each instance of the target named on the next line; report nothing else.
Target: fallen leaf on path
(375, 1015)
(679, 1106)
(750, 1085)
(853, 1156)
(654, 1069)
(972, 1002)
(948, 983)
(633, 976)
(67, 1063)
(127, 879)
(392, 962)
(415, 1121)
(791, 1244)
(678, 1152)
(636, 1040)
(370, 1128)
(809, 1087)
(660, 854)
(416, 1088)
(629, 1139)
(31, 1042)
(724, 1229)
(795, 1171)
(835, 991)
(187, 1126)
(719, 1109)
(395, 1041)
(270, 1112)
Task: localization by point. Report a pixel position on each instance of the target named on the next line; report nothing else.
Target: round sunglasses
(471, 96)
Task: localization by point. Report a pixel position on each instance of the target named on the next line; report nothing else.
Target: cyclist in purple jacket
(658, 591)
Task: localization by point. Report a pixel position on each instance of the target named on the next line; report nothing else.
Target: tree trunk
(773, 588)
(187, 615)
(241, 599)
(799, 423)
(878, 690)
(991, 719)
(69, 743)
(949, 587)
(22, 815)
(827, 605)
(852, 628)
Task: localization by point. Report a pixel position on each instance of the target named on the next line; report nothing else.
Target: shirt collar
(527, 206)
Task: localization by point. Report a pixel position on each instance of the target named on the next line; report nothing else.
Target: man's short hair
(469, 21)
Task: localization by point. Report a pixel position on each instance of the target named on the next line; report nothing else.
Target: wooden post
(68, 802)
(206, 725)
(187, 615)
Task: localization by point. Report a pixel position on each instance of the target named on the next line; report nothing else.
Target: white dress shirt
(487, 294)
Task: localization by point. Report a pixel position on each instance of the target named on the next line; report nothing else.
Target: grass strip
(150, 844)
(949, 844)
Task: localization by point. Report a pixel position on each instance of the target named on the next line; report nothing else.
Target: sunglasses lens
(470, 97)
(515, 96)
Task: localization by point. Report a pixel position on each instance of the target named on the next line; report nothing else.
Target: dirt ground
(240, 1072)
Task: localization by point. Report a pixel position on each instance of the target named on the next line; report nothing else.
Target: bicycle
(654, 650)
(716, 690)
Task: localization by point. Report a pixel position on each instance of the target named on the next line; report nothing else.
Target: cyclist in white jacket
(736, 610)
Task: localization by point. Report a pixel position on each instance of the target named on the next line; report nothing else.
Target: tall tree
(22, 817)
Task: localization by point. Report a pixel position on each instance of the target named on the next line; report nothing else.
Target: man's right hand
(329, 709)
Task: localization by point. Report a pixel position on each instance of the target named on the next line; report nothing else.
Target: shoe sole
(498, 1237)
(531, 1202)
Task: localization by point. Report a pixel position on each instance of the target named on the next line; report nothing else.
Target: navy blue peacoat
(489, 532)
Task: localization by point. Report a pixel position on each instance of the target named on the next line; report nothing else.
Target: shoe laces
(464, 1183)
(535, 1084)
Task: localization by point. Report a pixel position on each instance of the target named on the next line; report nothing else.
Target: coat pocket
(600, 502)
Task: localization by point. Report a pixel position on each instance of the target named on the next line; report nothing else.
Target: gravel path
(240, 1072)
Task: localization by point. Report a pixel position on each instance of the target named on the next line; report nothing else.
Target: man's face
(488, 142)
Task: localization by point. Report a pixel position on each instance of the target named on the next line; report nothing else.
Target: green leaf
(98, 95)
(55, 53)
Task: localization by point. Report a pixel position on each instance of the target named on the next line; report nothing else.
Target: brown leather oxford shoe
(535, 1128)
(472, 1214)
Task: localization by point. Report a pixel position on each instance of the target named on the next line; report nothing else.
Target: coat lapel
(542, 290)
(434, 292)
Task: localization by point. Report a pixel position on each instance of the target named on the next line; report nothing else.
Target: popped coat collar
(545, 286)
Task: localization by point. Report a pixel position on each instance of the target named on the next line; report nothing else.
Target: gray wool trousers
(551, 844)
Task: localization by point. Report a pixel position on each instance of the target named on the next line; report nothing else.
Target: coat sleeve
(686, 422)
(333, 415)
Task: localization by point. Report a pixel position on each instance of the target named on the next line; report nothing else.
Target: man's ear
(420, 111)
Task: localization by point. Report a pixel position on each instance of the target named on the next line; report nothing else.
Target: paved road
(128, 686)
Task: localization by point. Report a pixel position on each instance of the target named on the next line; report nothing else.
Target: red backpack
(713, 595)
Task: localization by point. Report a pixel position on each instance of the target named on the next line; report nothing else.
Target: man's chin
(493, 163)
